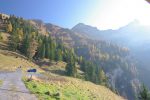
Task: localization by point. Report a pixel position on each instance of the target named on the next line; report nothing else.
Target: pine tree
(90, 72)
(48, 51)
(39, 49)
(47, 48)
(14, 41)
(83, 65)
(71, 69)
(52, 52)
(102, 77)
(94, 76)
(59, 55)
(65, 53)
(25, 44)
(43, 51)
(144, 93)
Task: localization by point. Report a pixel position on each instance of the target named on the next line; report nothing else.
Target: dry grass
(70, 88)
(5, 37)
(73, 89)
(97, 92)
(10, 62)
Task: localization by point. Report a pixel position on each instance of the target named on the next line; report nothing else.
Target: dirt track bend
(13, 88)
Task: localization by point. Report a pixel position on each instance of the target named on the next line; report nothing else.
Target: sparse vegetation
(10, 62)
(52, 91)
(144, 93)
(71, 89)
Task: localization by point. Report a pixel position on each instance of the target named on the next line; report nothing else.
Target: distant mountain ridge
(134, 35)
(133, 32)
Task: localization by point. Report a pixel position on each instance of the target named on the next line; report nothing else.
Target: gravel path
(13, 88)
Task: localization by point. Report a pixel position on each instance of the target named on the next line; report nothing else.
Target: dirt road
(13, 88)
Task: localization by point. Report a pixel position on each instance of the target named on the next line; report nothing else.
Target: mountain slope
(69, 89)
(28, 38)
(114, 59)
(10, 63)
(134, 36)
(128, 35)
(100, 61)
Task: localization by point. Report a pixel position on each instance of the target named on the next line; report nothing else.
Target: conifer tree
(25, 44)
(102, 77)
(39, 48)
(59, 55)
(71, 69)
(48, 51)
(83, 65)
(90, 71)
(14, 41)
(52, 52)
(43, 51)
(47, 48)
(144, 93)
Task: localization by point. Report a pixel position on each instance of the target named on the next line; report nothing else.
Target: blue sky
(104, 14)
(65, 13)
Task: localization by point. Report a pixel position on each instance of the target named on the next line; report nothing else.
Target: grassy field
(59, 68)
(55, 87)
(10, 62)
(67, 88)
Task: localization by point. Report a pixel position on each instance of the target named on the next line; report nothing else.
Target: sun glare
(113, 14)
